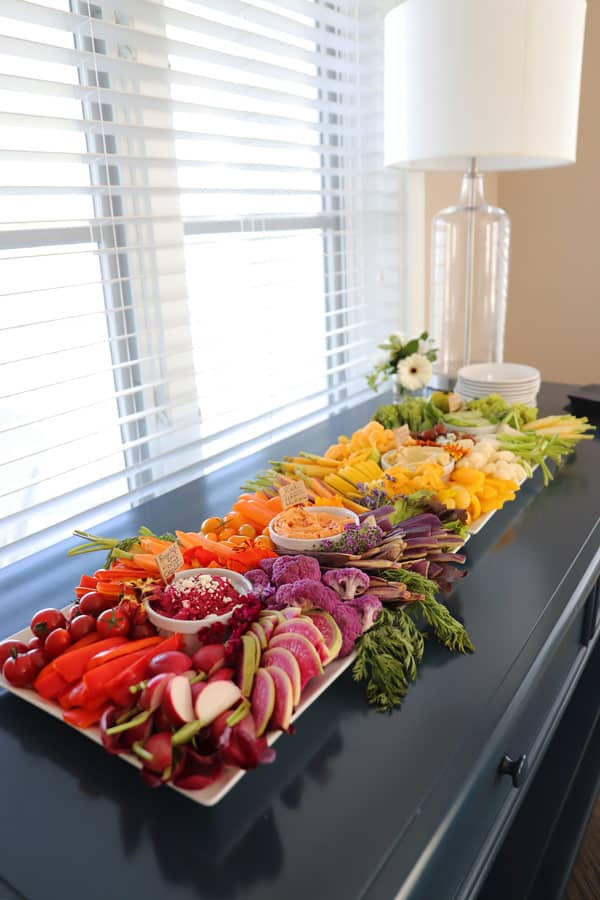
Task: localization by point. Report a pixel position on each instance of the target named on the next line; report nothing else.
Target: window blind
(199, 247)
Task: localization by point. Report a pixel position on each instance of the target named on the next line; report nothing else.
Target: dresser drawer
(521, 738)
(489, 800)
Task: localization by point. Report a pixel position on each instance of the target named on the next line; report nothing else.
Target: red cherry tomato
(57, 642)
(35, 643)
(73, 612)
(20, 671)
(112, 623)
(80, 626)
(45, 621)
(6, 648)
(141, 630)
(38, 657)
(93, 603)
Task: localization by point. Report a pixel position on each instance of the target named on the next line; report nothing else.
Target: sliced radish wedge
(177, 701)
(216, 697)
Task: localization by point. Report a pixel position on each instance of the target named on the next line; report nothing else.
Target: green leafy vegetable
(446, 628)
(387, 656)
(410, 505)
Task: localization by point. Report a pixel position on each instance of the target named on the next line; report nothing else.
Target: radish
(224, 674)
(197, 690)
(157, 752)
(209, 658)
(215, 699)
(173, 661)
(138, 734)
(152, 694)
(197, 771)
(177, 701)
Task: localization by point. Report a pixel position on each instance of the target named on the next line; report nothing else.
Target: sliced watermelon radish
(284, 705)
(279, 656)
(304, 626)
(330, 630)
(305, 653)
(262, 699)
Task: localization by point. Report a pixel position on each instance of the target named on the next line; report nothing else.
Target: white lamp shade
(498, 80)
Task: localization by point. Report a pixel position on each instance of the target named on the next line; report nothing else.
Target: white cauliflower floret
(486, 448)
(475, 460)
(489, 469)
(507, 455)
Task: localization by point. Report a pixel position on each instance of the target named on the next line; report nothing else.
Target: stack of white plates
(514, 382)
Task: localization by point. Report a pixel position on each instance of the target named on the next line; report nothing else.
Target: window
(199, 248)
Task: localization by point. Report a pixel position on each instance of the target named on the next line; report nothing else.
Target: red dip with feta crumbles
(196, 597)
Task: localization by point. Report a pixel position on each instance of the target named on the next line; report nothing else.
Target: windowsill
(48, 577)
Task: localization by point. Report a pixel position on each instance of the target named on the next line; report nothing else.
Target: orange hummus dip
(298, 522)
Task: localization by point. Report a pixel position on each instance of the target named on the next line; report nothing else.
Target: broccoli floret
(288, 569)
(368, 607)
(387, 415)
(306, 593)
(348, 583)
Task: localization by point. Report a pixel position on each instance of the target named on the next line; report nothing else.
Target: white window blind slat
(184, 185)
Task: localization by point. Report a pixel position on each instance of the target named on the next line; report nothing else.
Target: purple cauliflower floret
(368, 607)
(348, 583)
(349, 623)
(267, 564)
(266, 595)
(287, 569)
(259, 581)
(306, 593)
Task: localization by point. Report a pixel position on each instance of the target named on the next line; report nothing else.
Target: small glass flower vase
(400, 393)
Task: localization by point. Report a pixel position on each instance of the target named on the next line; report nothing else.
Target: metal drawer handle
(516, 768)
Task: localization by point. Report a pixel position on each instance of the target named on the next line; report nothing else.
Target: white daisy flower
(414, 372)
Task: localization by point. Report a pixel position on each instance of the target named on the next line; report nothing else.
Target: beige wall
(554, 284)
(554, 280)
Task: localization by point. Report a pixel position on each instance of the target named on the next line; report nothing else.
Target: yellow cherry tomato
(211, 525)
(247, 531)
(232, 520)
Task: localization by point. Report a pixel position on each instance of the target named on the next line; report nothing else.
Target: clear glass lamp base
(469, 280)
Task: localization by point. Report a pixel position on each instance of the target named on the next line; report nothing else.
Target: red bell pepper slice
(97, 680)
(83, 718)
(118, 688)
(71, 665)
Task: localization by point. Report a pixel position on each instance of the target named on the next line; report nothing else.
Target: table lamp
(475, 86)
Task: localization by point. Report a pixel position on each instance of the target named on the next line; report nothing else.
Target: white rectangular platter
(215, 792)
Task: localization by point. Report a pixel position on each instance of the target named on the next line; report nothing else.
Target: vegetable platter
(216, 791)
(190, 653)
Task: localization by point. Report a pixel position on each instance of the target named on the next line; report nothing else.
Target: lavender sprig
(356, 539)
(372, 497)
